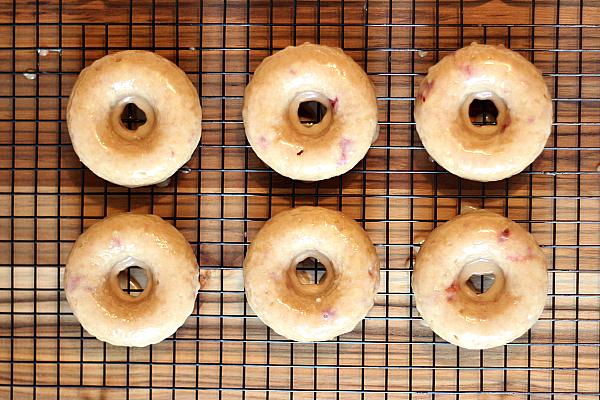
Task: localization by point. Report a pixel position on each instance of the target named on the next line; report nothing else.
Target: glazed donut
(302, 74)
(111, 246)
(484, 152)
(480, 243)
(154, 151)
(317, 312)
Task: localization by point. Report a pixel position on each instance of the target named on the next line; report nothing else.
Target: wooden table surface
(222, 197)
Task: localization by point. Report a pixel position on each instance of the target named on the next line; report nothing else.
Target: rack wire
(224, 194)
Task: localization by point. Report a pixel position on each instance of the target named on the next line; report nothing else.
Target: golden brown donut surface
(484, 152)
(480, 243)
(310, 73)
(311, 312)
(157, 149)
(114, 244)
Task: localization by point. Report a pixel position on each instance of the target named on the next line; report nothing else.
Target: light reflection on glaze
(122, 85)
(161, 242)
(294, 148)
(481, 80)
(291, 308)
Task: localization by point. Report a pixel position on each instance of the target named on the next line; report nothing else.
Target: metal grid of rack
(224, 194)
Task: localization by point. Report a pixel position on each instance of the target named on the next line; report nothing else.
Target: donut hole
(133, 280)
(483, 112)
(133, 117)
(480, 284)
(311, 113)
(480, 280)
(311, 271)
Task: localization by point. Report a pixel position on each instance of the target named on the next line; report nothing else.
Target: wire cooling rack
(222, 197)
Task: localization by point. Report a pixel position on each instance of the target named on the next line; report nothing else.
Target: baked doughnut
(154, 151)
(342, 297)
(484, 152)
(480, 243)
(111, 246)
(301, 74)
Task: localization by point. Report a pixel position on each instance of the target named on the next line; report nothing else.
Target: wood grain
(222, 197)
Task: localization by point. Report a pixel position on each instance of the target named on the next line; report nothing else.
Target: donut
(483, 152)
(311, 312)
(480, 243)
(310, 73)
(111, 246)
(154, 151)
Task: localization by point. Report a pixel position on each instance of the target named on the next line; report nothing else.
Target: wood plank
(224, 194)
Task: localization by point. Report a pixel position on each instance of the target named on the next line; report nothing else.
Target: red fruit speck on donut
(453, 288)
(116, 242)
(467, 69)
(520, 257)
(427, 86)
(346, 146)
(329, 313)
(275, 277)
(73, 282)
(506, 124)
(262, 142)
(503, 236)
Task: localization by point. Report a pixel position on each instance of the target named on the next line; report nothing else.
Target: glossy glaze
(302, 73)
(484, 153)
(114, 244)
(319, 311)
(480, 242)
(156, 150)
